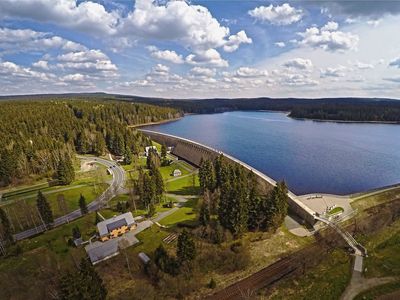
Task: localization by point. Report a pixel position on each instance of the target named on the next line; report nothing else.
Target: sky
(201, 49)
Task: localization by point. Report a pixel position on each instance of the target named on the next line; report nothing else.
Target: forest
(38, 136)
(338, 109)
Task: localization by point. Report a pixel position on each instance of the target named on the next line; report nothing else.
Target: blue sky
(199, 49)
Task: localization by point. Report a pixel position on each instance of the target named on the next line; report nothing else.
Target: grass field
(383, 252)
(362, 202)
(185, 213)
(183, 186)
(326, 281)
(21, 203)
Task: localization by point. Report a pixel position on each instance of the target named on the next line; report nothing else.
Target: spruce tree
(163, 152)
(204, 214)
(186, 249)
(92, 285)
(83, 205)
(127, 156)
(65, 171)
(6, 227)
(44, 209)
(97, 218)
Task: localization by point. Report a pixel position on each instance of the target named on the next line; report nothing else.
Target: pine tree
(158, 182)
(127, 156)
(44, 209)
(186, 249)
(70, 287)
(92, 286)
(6, 227)
(163, 152)
(275, 207)
(99, 145)
(97, 218)
(76, 233)
(65, 171)
(83, 205)
(204, 214)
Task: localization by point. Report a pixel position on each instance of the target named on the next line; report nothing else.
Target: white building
(116, 226)
(177, 173)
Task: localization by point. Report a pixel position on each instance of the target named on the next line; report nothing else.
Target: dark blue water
(339, 158)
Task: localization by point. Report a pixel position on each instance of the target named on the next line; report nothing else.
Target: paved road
(117, 183)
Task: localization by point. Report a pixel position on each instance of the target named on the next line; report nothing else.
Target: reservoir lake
(311, 156)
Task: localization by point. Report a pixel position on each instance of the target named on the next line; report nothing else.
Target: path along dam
(194, 152)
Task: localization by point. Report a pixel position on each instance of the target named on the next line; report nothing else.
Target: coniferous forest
(41, 137)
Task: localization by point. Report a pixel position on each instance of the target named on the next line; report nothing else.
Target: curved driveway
(117, 183)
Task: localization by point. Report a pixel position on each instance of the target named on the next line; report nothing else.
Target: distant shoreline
(154, 123)
(345, 121)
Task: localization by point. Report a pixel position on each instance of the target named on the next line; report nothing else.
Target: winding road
(117, 183)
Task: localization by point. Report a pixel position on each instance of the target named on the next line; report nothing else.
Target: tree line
(340, 109)
(39, 137)
(231, 194)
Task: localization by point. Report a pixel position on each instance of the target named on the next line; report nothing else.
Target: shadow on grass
(188, 190)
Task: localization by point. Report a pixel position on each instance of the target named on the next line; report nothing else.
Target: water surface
(310, 156)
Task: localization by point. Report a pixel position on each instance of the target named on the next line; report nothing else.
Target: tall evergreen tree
(127, 156)
(83, 205)
(163, 152)
(6, 227)
(99, 145)
(92, 286)
(65, 171)
(204, 214)
(44, 209)
(186, 249)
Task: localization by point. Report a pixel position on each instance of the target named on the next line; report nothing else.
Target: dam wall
(194, 152)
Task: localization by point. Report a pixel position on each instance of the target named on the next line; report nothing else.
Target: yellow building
(116, 226)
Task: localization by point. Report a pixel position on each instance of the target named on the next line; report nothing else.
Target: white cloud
(299, 63)
(200, 71)
(328, 38)
(41, 64)
(167, 55)
(363, 66)
(277, 15)
(209, 57)
(333, 72)
(247, 72)
(93, 62)
(26, 40)
(280, 44)
(160, 69)
(86, 16)
(297, 80)
(191, 25)
(12, 70)
(234, 41)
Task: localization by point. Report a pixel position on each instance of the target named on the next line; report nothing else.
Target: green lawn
(185, 213)
(336, 210)
(86, 183)
(167, 171)
(183, 186)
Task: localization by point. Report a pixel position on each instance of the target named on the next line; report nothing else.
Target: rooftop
(106, 226)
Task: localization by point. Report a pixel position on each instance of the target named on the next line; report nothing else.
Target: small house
(116, 226)
(177, 173)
